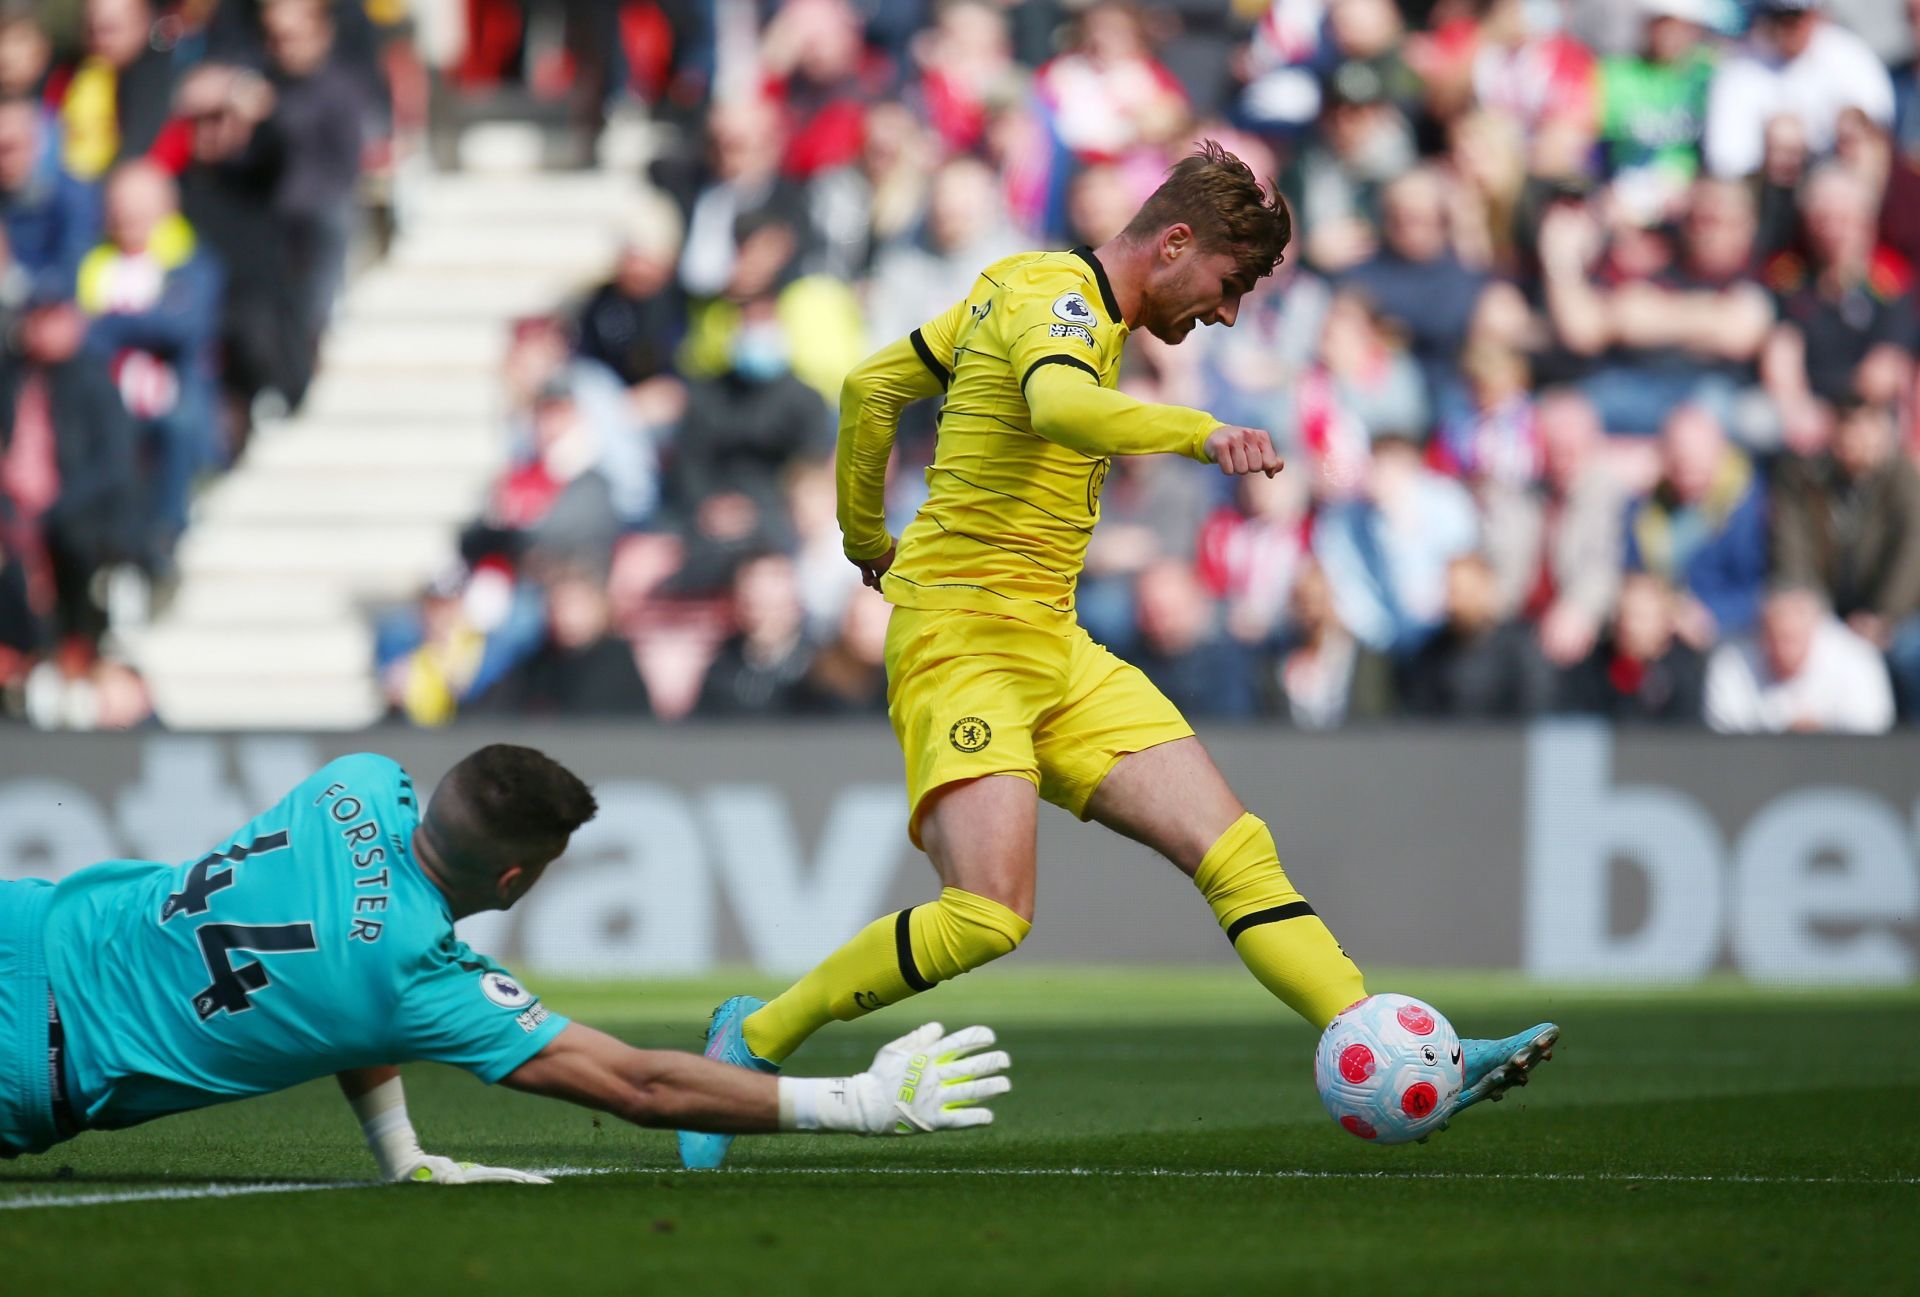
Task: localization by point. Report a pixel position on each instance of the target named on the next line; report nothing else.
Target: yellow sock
(887, 961)
(1273, 929)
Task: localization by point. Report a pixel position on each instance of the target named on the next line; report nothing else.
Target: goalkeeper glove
(383, 1120)
(924, 1081)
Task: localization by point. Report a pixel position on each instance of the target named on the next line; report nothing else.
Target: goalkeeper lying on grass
(319, 939)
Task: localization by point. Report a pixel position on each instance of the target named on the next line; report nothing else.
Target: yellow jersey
(1030, 427)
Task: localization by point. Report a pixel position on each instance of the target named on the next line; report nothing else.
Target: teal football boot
(726, 1043)
(1495, 1066)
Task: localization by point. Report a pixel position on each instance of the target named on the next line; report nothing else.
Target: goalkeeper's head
(496, 821)
(1202, 240)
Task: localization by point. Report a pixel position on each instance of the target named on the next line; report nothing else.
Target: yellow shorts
(971, 694)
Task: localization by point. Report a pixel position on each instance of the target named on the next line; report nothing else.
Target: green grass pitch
(1162, 1137)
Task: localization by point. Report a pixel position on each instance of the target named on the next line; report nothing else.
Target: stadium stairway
(358, 500)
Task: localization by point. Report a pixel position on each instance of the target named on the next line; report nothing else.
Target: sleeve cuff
(508, 1060)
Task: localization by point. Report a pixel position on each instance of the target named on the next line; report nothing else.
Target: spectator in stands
(966, 61)
(90, 525)
(822, 75)
(1510, 57)
(1685, 332)
(51, 219)
(320, 112)
(1420, 283)
(743, 431)
(557, 504)
(849, 674)
(1477, 665)
(1497, 440)
(1555, 547)
(1704, 528)
(428, 682)
(1802, 671)
(1250, 551)
(1152, 508)
(1848, 524)
(1653, 103)
(1799, 65)
(235, 160)
(1640, 671)
(1181, 649)
(874, 202)
(1107, 93)
(635, 321)
(238, 33)
(26, 55)
(816, 316)
(1100, 202)
(67, 487)
(745, 143)
(1487, 163)
(1281, 64)
(964, 234)
(1364, 384)
(1326, 677)
(827, 580)
(1848, 327)
(1363, 141)
(614, 437)
(761, 669)
(1386, 552)
(1374, 33)
(152, 295)
(113, 102)
(583, 668)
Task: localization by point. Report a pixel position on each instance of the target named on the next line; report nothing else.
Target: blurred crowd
(1593, 359)
(179, 185)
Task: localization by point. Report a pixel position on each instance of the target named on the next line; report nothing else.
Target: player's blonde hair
(1220, 199)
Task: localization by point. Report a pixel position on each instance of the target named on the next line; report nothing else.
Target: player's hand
(874, 568)
(1239, 451)
(928, 1080)
(428, 1169)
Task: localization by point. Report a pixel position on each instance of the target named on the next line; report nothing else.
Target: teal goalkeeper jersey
(308, 942)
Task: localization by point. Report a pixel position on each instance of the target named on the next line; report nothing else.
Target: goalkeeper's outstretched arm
(927, 1080)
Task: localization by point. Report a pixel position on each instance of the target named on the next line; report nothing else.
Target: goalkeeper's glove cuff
(383, 1120)
(833, 1105)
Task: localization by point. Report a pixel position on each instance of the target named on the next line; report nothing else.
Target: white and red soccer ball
(1389, 1068)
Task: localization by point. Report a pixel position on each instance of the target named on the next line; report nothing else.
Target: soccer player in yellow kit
(998, 697)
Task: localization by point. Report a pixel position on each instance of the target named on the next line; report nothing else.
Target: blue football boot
(726, 1043)
(1495, 1066)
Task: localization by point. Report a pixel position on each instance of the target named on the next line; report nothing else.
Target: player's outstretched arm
(1070, 407)
(925, 1081)
(380, 1102)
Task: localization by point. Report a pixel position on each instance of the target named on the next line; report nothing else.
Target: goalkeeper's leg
(1172, 798)
(980, 836)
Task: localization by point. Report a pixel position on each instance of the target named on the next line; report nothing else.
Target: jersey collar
(1100, 277)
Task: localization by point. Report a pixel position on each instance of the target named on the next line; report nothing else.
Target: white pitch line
(187, 1193)
(178, 1193)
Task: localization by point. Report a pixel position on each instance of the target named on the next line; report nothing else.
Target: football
(1389, 1068)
